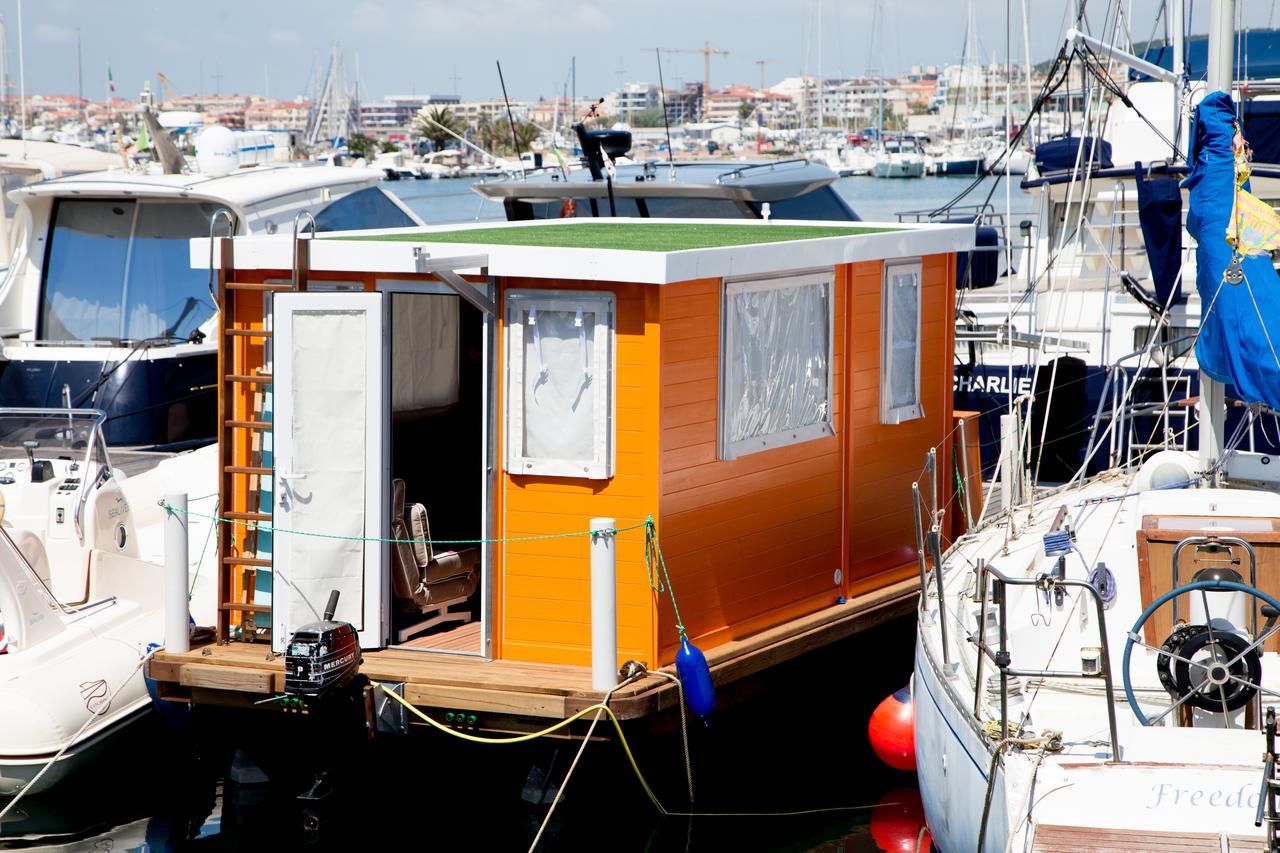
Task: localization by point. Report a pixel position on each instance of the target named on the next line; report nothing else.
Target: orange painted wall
(543, 586)
(885, 459)
(753, 541)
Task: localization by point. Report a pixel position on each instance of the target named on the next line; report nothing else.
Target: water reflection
(792, 741)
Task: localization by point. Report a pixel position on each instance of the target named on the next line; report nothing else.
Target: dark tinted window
(556, 208)
(824, 203)
(121, 270)
(661, 207)
(367, 208)
(694, 208)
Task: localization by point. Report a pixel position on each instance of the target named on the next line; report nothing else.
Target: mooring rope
(626, 748)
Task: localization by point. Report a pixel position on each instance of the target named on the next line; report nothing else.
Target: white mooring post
(604, 607)
(177, 608)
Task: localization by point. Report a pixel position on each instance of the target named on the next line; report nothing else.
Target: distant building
(769, 109)
(631, 99)
(393, 116)
(473, 113)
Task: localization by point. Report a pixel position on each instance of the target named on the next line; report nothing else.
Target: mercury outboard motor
(322, 657)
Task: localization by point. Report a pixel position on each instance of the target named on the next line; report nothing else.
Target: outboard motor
(322, 657)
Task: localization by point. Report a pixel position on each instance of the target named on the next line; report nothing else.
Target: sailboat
(1097, 665)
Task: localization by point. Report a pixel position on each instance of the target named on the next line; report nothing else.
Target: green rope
(654, 562)
(653, 557)
(255, 525)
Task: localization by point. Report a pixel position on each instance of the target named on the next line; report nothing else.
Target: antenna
(666, 123)
(511, 121)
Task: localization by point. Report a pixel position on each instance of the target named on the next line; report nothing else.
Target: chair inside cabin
(425, 580)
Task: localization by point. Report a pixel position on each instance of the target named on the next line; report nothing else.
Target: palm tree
(437, 124)
(527, 133)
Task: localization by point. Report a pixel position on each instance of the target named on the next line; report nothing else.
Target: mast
(1211, 408)
(1177, 18)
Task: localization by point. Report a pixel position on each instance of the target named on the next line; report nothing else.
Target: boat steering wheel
(1224, 681)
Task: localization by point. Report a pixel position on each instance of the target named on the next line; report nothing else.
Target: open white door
(330, 463)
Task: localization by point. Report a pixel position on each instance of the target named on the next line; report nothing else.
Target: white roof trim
(329, 255)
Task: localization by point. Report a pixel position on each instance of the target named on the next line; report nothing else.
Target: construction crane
(762, 63)
(707, 52)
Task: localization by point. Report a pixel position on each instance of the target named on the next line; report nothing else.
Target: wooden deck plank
(464, 638)
(234, 678)
(1051, 838)
(492, 701)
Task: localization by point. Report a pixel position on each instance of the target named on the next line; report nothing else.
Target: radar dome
(217, 151)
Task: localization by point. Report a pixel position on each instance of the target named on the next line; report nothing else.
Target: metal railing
(1267, 812)
(1003, 660)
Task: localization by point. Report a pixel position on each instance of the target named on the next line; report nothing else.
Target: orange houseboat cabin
(428, 421)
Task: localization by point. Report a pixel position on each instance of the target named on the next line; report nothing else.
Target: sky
(421, 46)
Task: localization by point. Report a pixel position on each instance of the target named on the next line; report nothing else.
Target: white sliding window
(775, 362)
(900, 343)
(560, 356)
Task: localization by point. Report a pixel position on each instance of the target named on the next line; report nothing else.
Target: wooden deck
(464, 638)
(1088, 839)
(240, 674)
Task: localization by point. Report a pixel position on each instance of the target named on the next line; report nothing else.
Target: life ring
(568, 208)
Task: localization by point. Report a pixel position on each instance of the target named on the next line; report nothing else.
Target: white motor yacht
(898, 157)
(100, 308)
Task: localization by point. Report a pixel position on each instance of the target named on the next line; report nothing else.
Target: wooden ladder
(242, 359)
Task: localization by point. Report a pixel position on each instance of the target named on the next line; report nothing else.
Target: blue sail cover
(1233, 345)
(1160, 215)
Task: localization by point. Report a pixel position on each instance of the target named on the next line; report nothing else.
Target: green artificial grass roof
(635, 236)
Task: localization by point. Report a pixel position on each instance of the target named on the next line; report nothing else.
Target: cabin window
(366, 208)
(560, 383)
(775, 363)
(120, 270)
(900, 343)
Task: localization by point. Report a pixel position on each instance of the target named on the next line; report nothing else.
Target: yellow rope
(626, 748)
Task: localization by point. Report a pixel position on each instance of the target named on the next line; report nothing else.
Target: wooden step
(247, 516)
(248, 424)
(247, 333)
(246, 561)
(251, 378)
(246, 608)
(247, 469)
(258, 286)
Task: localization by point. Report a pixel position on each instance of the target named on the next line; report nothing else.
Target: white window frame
(729, 448)
(602, 304)
(890, 414)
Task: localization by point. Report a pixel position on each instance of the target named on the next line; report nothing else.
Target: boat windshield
(119, 270)
(48, 433)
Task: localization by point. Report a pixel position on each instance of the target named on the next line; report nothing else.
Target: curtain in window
(905, 346)
(559, 384)
(777, 374)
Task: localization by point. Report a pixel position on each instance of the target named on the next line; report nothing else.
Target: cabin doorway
(439, 396)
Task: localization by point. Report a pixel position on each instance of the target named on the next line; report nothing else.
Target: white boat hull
(895, 169)
(952, 761)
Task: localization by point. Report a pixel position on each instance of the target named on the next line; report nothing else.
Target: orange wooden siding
(544, 586)
(753, 541)
(885, 459)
